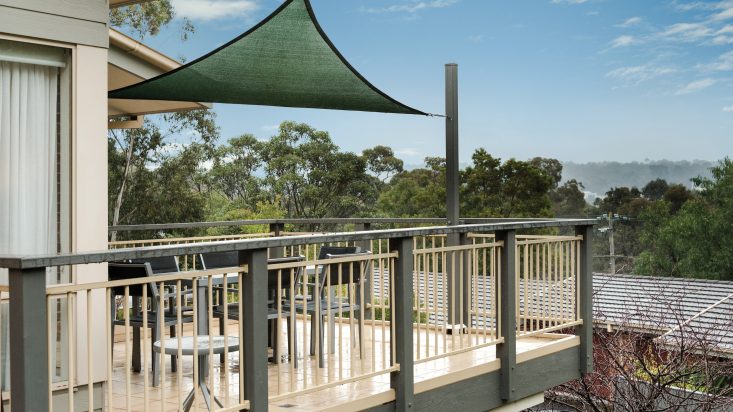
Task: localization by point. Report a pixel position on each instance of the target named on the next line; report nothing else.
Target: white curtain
(28, 129)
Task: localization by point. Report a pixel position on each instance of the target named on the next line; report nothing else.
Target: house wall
(81, 27)
(69, 21)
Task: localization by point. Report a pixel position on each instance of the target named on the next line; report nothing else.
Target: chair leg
(313, 334)
(136, 349)
(222, 359)
(174, 358)
(276, 340)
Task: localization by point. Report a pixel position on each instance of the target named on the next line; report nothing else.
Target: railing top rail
(330, 221)
(39, 261)
(227, 223)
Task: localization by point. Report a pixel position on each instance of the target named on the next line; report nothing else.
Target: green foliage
(416, 193)
(568, 200)
(655, 189)
(515, 188)
(147, 19)
(694, 241)
(311, 178)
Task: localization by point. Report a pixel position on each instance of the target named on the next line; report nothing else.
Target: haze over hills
(599, 177)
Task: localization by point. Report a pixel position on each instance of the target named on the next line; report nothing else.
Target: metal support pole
(584, 286)
(507, 351)
(366, 246)
(29, 339)
(254, 328)
(403, 381)
(276, 229)
(451, 143)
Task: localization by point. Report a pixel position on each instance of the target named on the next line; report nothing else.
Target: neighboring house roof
(675, 308)
(130, 62)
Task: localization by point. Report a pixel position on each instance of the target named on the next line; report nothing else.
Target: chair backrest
(218, 260)
(337, 250)
(165, 264)
(284, 274)
(344, 273)
(125, 271)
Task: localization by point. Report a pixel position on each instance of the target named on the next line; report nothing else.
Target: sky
(575, 80)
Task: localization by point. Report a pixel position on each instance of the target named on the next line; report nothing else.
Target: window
(34, 169)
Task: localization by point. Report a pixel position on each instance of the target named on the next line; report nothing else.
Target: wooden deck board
(350, 396)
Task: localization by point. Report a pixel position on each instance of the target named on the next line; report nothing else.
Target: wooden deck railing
(421, 294)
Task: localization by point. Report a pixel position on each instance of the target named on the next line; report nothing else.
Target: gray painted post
(29, 339)
(403, 381)
(254, 328)
(451, 142)
(276, 229)
(585, 287)
(451, 175)
(366, 246)
(507, 351)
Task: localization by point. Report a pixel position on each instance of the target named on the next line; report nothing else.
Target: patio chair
(330, 305)
(218, 260)
(126, 271)
(169, 264)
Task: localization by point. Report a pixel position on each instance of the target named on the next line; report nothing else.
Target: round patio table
(205, 345)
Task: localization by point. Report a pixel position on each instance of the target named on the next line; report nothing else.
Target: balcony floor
(355, 395)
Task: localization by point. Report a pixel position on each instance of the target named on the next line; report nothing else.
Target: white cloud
(569, 1)
(728, 109)
(622, 41)
(686, 32)
(724, 62)
(207, 10)
(408, 152)
(695, 86)
(637, 74)
(476, 38)
(411, 6)
(631, 21)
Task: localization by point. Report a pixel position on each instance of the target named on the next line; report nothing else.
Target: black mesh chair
(218, 260)
(126, 271)
(349, 275)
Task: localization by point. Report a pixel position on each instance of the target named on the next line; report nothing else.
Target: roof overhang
(130, 62)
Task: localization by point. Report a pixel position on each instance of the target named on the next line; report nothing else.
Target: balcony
(477, 316)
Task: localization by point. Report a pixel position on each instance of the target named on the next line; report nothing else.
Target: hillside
(599, 177)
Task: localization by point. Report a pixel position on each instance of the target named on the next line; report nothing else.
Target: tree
(416, 193)
(147, 18)
(512, 189)
(655, 189)
(307, 174)
(694, 241)
(382, 163)
(135, 155)
(636, 371)
(568, 200)
(234, 172)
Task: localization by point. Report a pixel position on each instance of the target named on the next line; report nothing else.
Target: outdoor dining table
(203, 346)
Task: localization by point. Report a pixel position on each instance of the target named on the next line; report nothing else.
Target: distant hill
(599, 177)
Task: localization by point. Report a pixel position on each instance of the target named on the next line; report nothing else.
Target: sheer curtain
(28, 131)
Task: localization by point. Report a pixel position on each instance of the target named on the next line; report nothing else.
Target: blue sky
(577, 80)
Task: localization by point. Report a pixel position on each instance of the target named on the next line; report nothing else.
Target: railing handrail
(292, 221)
(52, 260)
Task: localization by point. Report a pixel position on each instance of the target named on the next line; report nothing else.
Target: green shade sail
(285, 60)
